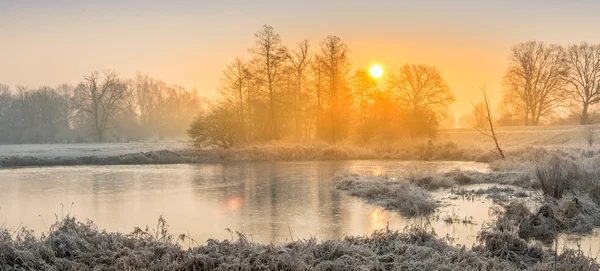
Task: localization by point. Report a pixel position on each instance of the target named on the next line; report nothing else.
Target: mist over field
(299, 135)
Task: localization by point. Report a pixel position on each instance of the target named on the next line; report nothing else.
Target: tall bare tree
(421, 87)
(335, 62)
(299, 60)
(98, 97)
(234, 87)
(583, 62)
(316, 76)
(424, 94)
(269, 58)
(65, 92)
(363, 86)
(535, 79)
(148, 95)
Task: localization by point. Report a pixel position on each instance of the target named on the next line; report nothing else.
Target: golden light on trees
(376, 71)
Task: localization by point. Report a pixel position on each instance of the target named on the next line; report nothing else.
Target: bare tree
(334, 61)
(65, 92)
(269, 58)
(424, 94)
(98, 98)
(363, 86)
(583, 62)
(484, 110)
(476, 119)
(535, 79)
(148, 95)
(234, 85)
(299, 60)
(421, 87)
(316, 79)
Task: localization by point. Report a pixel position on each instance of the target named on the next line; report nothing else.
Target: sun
(376, 71)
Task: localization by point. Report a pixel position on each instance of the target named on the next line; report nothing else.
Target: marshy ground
(538, 194)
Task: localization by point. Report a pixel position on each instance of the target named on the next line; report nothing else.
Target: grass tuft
(390, 193)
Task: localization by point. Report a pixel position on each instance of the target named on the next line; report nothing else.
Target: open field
(516, 136)
(451, 145)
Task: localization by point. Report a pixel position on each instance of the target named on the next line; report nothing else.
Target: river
(268, 201)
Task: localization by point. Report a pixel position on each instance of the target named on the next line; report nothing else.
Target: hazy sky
(48, 42)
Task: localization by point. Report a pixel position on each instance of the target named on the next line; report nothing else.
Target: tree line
(310, 92)
(303, 92)
(549, 84)
(102, 107)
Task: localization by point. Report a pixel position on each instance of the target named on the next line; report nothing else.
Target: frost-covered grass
(107, 154)
(410, 194)
(407, 198)
(521, 145)
(570, 214)
(88, 149)
(403, 150)
(570, 183)
(512, 136)
(499, 194)
(150, 157)
(72, 245)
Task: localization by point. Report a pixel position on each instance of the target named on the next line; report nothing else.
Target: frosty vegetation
(405, 197)
(417, 150)
(73, 245)
(561, 192)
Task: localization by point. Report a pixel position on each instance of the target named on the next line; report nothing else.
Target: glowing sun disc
(376, 71)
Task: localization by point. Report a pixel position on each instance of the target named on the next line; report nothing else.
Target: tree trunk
(296, 113)
(584, 114)
(272, 115)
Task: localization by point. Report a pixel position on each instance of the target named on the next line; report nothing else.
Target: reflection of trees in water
(274, 196)
(105, 185)
(329, 210)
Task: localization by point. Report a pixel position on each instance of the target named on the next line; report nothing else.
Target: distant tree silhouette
(535, 80)
(363, 87)
(335, 63)
(268, 63)
(234, 89)
(299, 60)
(217, 126)
(98, 97)
(423, 94)
(583, 76)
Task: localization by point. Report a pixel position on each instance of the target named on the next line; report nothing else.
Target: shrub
(462, 179)
(555, 176)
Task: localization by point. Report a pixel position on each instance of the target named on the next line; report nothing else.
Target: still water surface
(269, 201)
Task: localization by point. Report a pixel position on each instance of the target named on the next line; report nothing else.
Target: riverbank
(415, 150)
(449, 145)
(71, 245)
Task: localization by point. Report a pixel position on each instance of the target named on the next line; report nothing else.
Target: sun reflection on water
(378, 171)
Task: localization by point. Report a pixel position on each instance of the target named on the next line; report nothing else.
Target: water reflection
(269, 201)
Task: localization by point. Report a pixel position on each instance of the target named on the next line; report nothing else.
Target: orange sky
(189, 42)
